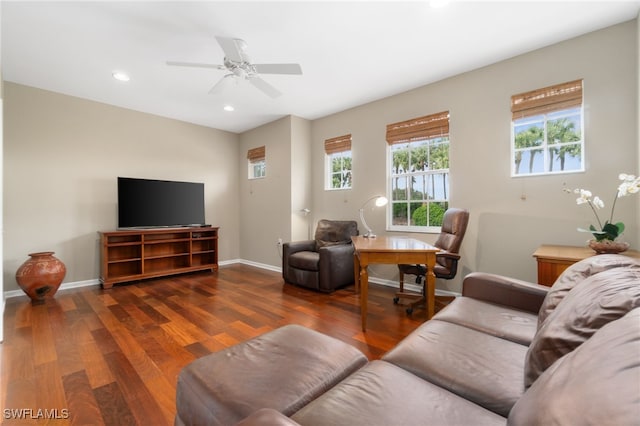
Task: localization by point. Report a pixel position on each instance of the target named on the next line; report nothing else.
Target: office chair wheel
(409, 311)
(396, 300)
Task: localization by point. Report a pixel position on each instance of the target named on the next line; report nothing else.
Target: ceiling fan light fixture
(121, 76)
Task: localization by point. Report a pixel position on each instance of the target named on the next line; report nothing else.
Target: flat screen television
(147, 203)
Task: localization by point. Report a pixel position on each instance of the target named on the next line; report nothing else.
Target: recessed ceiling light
(229, 108)
(120, 76)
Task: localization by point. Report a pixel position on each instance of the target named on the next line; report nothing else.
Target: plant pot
(40, 276)
(608, 246)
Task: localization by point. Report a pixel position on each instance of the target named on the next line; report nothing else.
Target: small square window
(257, 169)
(339, 170)
(547, 130)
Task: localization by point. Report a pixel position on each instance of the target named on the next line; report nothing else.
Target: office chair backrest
(454, 226)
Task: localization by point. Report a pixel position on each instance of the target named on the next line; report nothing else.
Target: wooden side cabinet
(553, 260)
(138, 254)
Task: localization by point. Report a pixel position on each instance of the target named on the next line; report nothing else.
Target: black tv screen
(147, 203)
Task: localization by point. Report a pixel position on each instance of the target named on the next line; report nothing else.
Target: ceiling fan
(237, 62)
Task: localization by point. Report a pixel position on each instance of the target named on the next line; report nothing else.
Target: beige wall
(61, 159)
(270, 206)
(265, 203)
(300, 178)
(638, 105)
(510, 217)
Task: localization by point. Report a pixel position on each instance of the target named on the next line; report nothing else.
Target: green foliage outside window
(419, 182)
(340, 175)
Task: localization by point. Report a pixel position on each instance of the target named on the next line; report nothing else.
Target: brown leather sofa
(324, 263)
(505, 352)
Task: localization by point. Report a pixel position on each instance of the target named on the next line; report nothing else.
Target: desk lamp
(380, 201)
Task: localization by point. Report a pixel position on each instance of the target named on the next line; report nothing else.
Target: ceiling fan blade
(293, 69)
(233, 49)
(223, 84)
(264, 86)
(195, 64)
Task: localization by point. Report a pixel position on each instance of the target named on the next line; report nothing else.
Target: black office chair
(454, 226)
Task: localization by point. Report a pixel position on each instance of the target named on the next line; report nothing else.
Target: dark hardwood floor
(112, 357)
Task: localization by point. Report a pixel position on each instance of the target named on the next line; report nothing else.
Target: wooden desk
(553, 260)
(392, 250)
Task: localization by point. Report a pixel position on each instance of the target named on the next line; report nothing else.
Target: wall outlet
(279, 241)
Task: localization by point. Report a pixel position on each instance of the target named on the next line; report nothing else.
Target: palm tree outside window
(418, 153)
(547, 130)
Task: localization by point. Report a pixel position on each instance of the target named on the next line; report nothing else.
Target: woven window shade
(549, 99)
(256, 154)
(429, 126)
(338, 144)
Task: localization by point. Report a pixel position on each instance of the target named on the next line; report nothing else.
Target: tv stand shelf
(133, 255)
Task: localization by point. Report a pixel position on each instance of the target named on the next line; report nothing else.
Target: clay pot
(41, 275)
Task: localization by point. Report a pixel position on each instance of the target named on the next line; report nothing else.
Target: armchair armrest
(338, 250)
(336, 266)
(505, 291)
(296, 246)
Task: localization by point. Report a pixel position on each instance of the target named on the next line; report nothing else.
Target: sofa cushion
(267, 417)
(597, 384)
(283, 369)
(307, 260)
(383, 394)
(477, 366)
(500, 321)
(598, 300)
(576, 273)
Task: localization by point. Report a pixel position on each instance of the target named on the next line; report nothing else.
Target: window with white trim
(338, 162)
(257, 162)
(418, 173)
(547, 130)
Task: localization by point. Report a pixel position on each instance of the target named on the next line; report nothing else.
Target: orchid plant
(609, 230)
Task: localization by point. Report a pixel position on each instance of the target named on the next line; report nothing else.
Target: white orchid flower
(630, 185)
(585, 196)
(608, 229)
(598, 203)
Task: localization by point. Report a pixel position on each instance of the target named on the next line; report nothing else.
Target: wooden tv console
(132, 255)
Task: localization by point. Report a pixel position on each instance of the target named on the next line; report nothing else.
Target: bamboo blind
(338, 144)
(429, 126)
(548, 99)
(256, 154)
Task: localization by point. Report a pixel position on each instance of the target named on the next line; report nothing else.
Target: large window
(547, 135)
(257, 162)
(418, 164)
(338, 162)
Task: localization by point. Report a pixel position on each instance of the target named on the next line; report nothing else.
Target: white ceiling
(351, 53)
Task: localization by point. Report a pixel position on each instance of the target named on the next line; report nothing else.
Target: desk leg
(356, 271)
(430, 281)
(364, 294)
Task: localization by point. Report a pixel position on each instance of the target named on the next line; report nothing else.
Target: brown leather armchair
(323, 264)
(454, 226)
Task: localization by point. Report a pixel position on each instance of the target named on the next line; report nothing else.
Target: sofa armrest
(505, 291)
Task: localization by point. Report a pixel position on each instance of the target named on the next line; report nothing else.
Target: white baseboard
(388, 283)
(64, 286)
